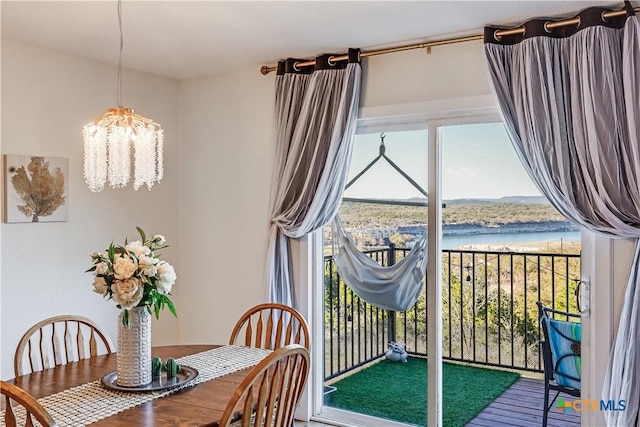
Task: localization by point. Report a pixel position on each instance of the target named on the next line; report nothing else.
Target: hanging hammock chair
(396, 287)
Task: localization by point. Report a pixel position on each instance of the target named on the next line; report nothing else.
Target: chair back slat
(276, 325)
(58, 341)
(268, 333)
(57, 351)
(248, 334)
(43, 356)
(93, 344)
(32, 356)
(262, 400)
(280, 379)
(280, 328)
(248, 407)
(81, 344)
(297, 337)
(258, 333)
(68, 343)
(273, 393)
(288, 335)
(9, 415)
(282, 412)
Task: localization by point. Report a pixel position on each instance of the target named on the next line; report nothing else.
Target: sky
(478, 161)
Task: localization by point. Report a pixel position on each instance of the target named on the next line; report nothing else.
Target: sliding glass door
(375, 355)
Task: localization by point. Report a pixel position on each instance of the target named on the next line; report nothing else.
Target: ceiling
(187, 39)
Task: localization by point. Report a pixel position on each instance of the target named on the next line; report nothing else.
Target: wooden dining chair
(271, 326)
(30, 408)
(269, 395)
(58, 341)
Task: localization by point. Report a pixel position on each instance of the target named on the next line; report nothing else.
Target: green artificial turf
(398, 391)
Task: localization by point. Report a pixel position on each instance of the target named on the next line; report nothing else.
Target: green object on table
(172, 367)
(156, 367)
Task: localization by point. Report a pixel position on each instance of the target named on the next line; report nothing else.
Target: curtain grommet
(546, 28)
(496, 36)
(295, 67)
(330, 61)
(603, 17)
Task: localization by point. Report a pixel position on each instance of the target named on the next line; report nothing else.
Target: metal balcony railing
(489, 315)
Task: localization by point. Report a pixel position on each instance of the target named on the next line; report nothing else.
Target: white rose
(138, 248)
(102, 268)
(167, 277)
(148, 265)
(159, 239)
(128, 293)
(124, 267)
(100, 286)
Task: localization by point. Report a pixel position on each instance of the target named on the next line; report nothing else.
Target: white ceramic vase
(134, 349)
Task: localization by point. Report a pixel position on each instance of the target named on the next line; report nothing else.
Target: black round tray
(185, 375)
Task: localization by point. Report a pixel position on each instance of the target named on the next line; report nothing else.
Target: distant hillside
(537, 200)
(483, 213)
(507, 199)
(523, 199)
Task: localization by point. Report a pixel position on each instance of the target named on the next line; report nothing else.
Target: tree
(401, 240)
(41, 191)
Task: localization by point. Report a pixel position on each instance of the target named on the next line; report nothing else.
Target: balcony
(489, 320)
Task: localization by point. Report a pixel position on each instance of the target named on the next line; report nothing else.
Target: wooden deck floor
(521, 405)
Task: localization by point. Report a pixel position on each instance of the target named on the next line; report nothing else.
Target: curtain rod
(265, 69)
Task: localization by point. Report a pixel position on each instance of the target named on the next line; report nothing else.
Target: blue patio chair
(561, 355)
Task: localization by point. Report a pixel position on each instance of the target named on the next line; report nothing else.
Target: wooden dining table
(199, 405)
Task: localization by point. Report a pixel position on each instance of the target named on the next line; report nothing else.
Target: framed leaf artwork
(35, 189)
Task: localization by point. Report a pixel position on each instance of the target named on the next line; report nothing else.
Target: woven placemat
(92, 402)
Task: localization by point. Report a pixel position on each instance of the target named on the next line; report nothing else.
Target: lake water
(454, 241)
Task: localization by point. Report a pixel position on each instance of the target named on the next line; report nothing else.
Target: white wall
(226, 157)
(46, 99)
(409, 77)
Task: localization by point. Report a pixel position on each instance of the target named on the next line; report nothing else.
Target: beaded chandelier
(110, 139)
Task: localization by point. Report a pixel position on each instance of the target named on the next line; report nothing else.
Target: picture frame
(35, 189)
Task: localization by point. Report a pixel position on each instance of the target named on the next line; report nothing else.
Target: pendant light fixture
(110, 139)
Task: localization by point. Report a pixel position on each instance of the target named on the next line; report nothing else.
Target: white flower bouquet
(133, 275)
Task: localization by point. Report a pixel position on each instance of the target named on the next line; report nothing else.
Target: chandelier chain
(119, 89)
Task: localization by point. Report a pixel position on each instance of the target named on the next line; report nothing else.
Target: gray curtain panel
(315, 118)
(570, 100)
